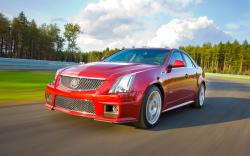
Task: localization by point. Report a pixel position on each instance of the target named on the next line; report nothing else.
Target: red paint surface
(179, 85)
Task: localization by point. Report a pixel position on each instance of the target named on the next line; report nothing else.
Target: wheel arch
(140, 123)
(158, 85)
(203, 82)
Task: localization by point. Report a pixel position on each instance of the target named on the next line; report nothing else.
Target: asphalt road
(221, 128)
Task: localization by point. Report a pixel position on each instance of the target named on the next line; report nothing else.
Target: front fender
(145, 79)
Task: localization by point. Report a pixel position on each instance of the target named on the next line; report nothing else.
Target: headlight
(123, 84)
(57, 72)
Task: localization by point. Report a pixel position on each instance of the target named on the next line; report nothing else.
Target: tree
(21, 38)
(59, 44)
(33, 33)
(71, 32)
(19, 26)
(4, 33)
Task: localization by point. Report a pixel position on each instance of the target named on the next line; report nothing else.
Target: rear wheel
(150, 108)
(200, 100)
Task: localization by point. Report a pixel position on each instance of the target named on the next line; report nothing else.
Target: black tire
(143, 122)
(197, 103)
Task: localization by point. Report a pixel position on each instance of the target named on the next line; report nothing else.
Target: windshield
(144, 56)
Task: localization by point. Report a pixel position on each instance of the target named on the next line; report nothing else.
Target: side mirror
(178, 64)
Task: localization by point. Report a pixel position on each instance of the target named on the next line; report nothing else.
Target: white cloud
(99, 19)
(112, 18)
(124, 23)
(188, 31)
(87, 42)
(176, 8)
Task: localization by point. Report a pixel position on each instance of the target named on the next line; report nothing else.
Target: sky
(141, 23)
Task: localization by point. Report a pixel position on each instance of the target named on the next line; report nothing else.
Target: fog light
(115, 109)
(111, 110)
(48, 98)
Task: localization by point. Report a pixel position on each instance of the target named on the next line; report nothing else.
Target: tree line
(21, 38)
(229, 57)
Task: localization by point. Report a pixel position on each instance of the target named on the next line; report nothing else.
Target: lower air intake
(84, 106)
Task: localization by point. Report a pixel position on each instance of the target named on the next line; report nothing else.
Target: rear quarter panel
(200, 76)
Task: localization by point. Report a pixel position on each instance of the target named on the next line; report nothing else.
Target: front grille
(79, 105)
(83, 83)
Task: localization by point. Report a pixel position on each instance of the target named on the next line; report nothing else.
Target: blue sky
(43, 10)
(118, 23)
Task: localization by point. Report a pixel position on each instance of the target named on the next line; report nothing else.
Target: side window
(176, 56)
(188, 61)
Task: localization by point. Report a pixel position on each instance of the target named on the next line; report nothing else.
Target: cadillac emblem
(74, 83)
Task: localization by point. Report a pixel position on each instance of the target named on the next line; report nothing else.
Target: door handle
(186, 76)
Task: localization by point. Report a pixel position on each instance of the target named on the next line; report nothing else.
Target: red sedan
(133, 85)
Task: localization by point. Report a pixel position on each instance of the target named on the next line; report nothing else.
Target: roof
(152, 48)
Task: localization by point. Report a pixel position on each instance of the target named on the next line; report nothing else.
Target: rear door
(191, 77)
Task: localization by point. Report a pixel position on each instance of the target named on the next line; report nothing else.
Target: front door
(176, 83)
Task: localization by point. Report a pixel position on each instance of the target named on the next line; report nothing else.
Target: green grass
(20, 87)
(228, 77)
(23, 87)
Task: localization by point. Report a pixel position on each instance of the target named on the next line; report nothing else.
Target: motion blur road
(221, 128)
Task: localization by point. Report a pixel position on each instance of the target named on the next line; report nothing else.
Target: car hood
(106, 70)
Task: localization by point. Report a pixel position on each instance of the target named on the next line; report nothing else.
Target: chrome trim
(177, 106)
(86, 77)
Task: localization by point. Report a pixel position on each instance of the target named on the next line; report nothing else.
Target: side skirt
(177, 106)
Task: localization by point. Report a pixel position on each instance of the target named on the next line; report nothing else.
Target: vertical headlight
(123, 84)
(57, 72)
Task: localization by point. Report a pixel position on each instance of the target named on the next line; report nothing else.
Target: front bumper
(128, 104)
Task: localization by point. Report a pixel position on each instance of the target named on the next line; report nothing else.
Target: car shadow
(217, 110)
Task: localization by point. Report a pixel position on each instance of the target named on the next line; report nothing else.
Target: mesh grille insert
(79, 105)
(81, 84)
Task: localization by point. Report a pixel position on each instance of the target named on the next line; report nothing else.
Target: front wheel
(150, 108)
(200, 100)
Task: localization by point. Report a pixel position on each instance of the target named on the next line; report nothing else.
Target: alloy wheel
(153, 107)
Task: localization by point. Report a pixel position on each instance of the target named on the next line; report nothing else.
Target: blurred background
(37, 39)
